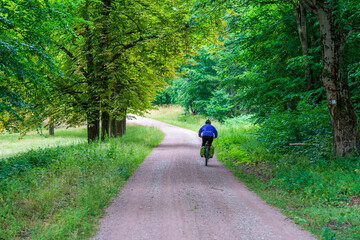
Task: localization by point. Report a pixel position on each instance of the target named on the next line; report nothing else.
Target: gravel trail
(172, 195)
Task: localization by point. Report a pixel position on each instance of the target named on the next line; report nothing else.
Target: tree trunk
(334, 77)
(335, 81)
(112, 129)
(300, 15)
(51, 130)
(93, 125)
(120, 127)
(105, 125)
(92, 106)
(102, 76)
(124, 125)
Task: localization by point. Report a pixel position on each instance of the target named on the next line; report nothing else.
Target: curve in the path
(172, 195)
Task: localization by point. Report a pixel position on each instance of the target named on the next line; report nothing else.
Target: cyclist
(208, 134)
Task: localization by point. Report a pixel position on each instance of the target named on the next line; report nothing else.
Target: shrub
(307, 125)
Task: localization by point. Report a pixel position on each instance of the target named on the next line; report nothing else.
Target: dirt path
(172, 195)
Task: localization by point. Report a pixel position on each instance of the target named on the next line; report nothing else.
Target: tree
(335, 29)
(120, 57)
(197, 85)
(26, 27)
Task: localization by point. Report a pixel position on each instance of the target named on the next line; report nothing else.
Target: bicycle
(207, 152)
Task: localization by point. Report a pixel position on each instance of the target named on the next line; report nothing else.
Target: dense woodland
(294, 65)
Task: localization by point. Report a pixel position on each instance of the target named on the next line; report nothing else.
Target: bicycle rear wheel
(207, 156)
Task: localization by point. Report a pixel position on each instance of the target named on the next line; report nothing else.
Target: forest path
(172, 195)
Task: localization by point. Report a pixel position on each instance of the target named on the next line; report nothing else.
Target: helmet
(208, 122)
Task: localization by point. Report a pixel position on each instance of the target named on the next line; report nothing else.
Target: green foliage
(199, 88)
(26, 27)
(59, 193)
(237, 139)
(308, 125)
(196, 88)
(331, 183)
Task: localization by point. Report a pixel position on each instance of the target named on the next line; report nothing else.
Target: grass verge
(60, 192)
(174, 115)
(321, 195)
(11, 144)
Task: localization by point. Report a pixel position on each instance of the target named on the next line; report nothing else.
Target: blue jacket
(208, 130)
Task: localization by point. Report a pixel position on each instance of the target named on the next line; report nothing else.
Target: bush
(327, 181)
(307, 125)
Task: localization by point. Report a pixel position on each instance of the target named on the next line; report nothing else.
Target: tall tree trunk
(300, 15)
(93, 125)
(334, 77)
(51, 130)
(105, 125)
(92, 105)
(102, 76)
(120, 127)
(335, 81)
(124, 125)
(112, 128)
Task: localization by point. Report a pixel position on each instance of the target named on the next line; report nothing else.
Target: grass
(321, 195)
(11, 144)
(60, 192)
(174, 115)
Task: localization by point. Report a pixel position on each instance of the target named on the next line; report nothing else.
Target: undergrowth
(60, 192)
(318, 192)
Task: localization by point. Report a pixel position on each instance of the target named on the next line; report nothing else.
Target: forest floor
(172, 195)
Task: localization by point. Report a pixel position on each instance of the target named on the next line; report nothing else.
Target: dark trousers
(207, 138)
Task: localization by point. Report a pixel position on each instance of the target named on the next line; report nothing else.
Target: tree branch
(127, 46)
(131, 19)
(309, 5)
(72, 57)
(351, 32)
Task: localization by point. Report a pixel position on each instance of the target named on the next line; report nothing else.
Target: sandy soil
(172, 195)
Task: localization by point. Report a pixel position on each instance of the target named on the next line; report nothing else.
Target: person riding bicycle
(208, 134)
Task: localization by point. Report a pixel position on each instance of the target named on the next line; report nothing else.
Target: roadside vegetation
(59, 192)
(318, 192)
(11, 144)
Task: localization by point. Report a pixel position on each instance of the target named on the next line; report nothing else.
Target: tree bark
(120, 127)
(102, 76)
(93, 125)
(334, 78)
(51, 130)
(105, 125)
(124, 125)
(92, 106)
(112, 128)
